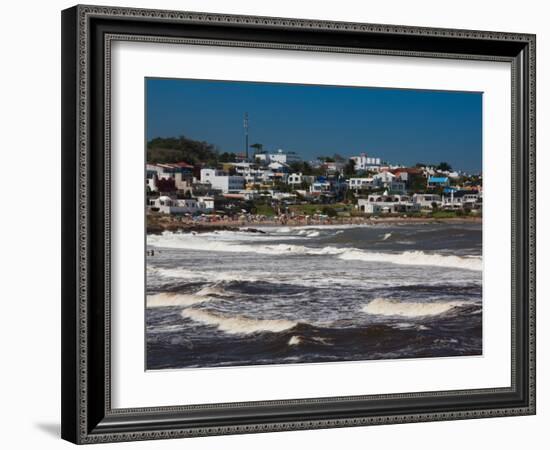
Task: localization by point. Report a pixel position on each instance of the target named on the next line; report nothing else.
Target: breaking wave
(385, 307)
(213, 290)
(188, 274)
(295, 340)
(165, 299)
(411, 258)
(416, 258)
(238, 324)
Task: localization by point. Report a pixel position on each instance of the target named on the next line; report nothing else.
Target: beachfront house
(426, 201)
(387, 204)
(460, 199)
(205, 204)
(169, 205)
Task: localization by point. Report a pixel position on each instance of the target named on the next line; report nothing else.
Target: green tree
(176, 149)
(257, 147)
(302, 167)
(417, 183)
(444, 167)
(329, 211)
(227, 157)
(349, 168)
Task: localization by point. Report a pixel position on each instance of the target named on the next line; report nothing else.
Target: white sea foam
(410, 258)
(236, 236)
(237, 324)
(213, 276)
(295, 340)
(313, 234)
(165, 299)
(386, 236)
(415, 258)
(387, 307)
(213, 290)
(282, 230)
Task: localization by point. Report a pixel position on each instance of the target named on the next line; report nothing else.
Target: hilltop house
(389, 181)
(435, 182)
(364, 162)
(169, 177)
(298, 178)
(222, 181)
(360, 183)
(279, 156)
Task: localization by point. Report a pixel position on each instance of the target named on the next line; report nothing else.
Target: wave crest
(410, 258)
(416, 258)
(387, 307)
(237, 324)
(165, 299)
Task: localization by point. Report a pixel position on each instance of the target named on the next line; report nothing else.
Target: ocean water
(313, 294)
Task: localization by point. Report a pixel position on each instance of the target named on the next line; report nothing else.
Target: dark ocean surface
(313, 294)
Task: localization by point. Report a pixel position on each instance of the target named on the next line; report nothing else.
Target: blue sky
(398, 125)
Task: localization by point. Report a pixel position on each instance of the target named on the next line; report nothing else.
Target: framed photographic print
(280, 224)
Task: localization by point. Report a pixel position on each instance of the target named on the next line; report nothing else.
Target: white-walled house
(360, 183)
(279, 156)
(387, 204)
(169, 205)
(205, 204)
(384, 178)
(426, 201)
(365, 162)
(299, 178)
(252, 173)
(389, 181)
(222, 181)
(320, 187)
(181, 174)
(460, 199)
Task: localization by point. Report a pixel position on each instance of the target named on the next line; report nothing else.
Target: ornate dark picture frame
(87, 34)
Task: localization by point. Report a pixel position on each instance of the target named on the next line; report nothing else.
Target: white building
(252, 173)
(169, 205)
(426, 201)
(279, 156)
(360, 183)
(384, 178)
(389, 181)
(205, 204)
(181, 173)
(387, 204)
(222, 181)
(320, 187)
(365, 162)
(278, 166)
(299, 178)
(461, 199)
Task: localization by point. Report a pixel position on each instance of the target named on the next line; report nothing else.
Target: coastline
(159, 224)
